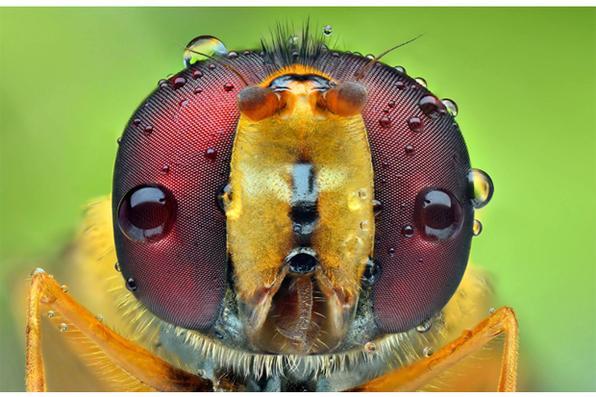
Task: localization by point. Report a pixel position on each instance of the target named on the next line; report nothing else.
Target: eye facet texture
(179, 142)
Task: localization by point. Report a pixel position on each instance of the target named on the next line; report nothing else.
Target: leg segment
(502, 321)
(135, 360)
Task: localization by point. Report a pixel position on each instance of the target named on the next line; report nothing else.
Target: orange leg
(135, 360)
(502, 321)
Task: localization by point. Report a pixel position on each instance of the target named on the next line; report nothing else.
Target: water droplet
(427, 351)
(196, 74)
(293, 40)
(391, 104)
(146, 213)
(391, 251)
(232, 55)
(178, 82)
(491, 310)
(438, 214)
(400, 69)
(99, 318)
(165, 168)
(335, 54)
(119, 140)
(63, 327)
(409, 150)
(136, 121)
(148, 130)
(362, 193)
(246, 52)
(211, 66)
(371, 272)
(421, 81)
(327, 30)
(385, 122)
(228, 87)
(407, 231)
(364, 225)
(211, 153)
(415, 124)
(424, 326)
(198, 90)
(131, 284)
(51, 314)
(400, 85)
(431, 106)
(203, 47)
(117, 267)
(162, 83)
(370, 56)
(64, 288)
(476, 227)
(370, 347)
(183, 103)
(480, 187)
(377, 207)
(451, 106)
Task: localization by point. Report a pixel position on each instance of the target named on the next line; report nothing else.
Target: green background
(524, 80)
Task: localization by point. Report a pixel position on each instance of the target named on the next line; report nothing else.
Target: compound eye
(146, 213)
(438, 214)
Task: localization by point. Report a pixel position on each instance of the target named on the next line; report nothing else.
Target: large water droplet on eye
(451, 106)
(438, 214)
(146, 213)
(476, 227)
(203, 47)
(431, 106)
(327, 30)
(480, 187)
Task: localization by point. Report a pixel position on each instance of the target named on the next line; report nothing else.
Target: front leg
(502, 321)
(133, 359)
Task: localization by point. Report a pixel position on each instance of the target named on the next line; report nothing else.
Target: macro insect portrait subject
(291, 209)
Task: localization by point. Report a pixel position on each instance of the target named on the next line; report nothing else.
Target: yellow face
(300, 218)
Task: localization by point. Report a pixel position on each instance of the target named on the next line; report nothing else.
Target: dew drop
(63, 327)
(327, 30)
(148, 130)
(198, 90)
(117, 267)
(165, 168)
(197, 74)
(146, 213)
(491, 310)
(385, 122)
(203, 47)
(119, 140)
(480, 187)
(391, 251)
(224, 197)
(370, 347)
(162, 83)
(371, 272)
(407, 231)
(51, 314)
(364, 225)
(427, 351)
(211, 66)
(415, 124)
(400, 69)
(211, 153)
(99, 318)
(421, 81)
(424, 326)
(64, 288)
(362, 193)
(228, 87)
(136, 121)
(391, 104)
(178, 82)
(232, 55)
(437, 214)
(409, 150)
(377, 207)
(431, 106)
(476, 227)
(400, 85)
(131, 284)
(451, 106)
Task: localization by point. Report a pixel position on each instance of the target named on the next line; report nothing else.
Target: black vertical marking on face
(304, 212)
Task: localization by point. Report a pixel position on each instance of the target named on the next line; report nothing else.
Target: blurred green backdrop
(524, 79)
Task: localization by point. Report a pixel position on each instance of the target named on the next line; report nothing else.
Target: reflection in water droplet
(117, 267)
(146, 213)
(424, 326)
(51, 314)
(131, 284)
(385, 122)
(201, 48)
(63, 327)
(370, 347)
(438, 214)
(480, 187)
(400, 69)
(407, 231)
(415, 124)
(427, 351)
(451, 106)
(377, 207)
(421, 81)
(431, 106)
(211, 153)
(327, 30)
(476, 227)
